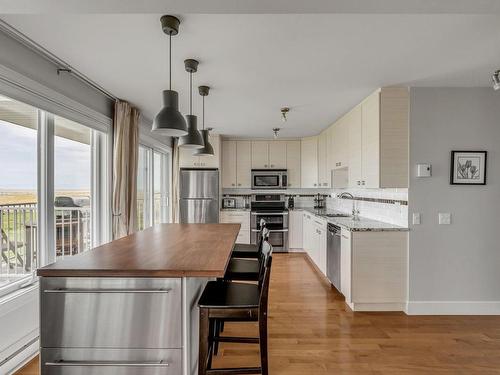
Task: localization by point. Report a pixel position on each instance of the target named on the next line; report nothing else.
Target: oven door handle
(272, 230)
(269, 214)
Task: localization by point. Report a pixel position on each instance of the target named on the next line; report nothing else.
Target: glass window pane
(18, 191)
(143, 190)
(72, 187)
(160, 199)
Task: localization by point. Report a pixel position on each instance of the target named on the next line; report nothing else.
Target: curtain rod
(61, 65)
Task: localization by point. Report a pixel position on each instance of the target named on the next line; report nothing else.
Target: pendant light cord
(170, 61)
(190, 93)
(203, 111)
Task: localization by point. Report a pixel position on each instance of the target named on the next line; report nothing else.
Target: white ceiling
(319, 65)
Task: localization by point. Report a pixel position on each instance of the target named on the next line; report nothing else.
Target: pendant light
(169, 121)
(207, 149)
(193, 139)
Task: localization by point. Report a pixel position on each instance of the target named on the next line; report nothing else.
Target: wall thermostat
(424, 170)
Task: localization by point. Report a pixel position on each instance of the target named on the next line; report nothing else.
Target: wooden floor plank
(312, 331)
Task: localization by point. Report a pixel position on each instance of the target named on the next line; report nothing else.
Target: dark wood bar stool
(242, 250)
(231, 301)
(248, 269)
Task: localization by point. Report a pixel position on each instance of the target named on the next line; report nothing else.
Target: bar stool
(231, 301)
(243, 250)
(248, 269)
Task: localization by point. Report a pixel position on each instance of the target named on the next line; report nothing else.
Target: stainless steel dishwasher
(333, 255)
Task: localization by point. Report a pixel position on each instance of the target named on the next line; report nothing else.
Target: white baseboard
(453, 308)
(385, 306)
(296, 251)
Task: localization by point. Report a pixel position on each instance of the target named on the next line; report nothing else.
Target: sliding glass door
(48, 182)
(153, 187)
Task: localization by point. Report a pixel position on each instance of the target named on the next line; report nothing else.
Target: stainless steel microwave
(269, 179)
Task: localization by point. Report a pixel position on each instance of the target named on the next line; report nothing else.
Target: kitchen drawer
(85, 361)
(92, 312)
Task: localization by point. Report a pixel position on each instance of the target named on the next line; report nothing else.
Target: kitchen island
(129, 306)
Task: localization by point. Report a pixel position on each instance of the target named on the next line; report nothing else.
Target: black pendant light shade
(207, 149)
(169, 120)
(193, 138)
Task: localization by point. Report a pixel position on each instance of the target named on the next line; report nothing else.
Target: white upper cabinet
(378, 140)
(243, 164)
(188, 160)
(236, 164)
(277, 154)
(353, 119)
(260, 154)
(268, 154)
(228, 164)
(370, 142)
(340, 143)
(309, 162)
(323, 175)
(293, 163)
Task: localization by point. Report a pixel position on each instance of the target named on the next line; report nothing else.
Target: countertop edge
(390, 227)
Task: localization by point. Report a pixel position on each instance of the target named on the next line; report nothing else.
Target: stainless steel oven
(269, 179)
(272, 209)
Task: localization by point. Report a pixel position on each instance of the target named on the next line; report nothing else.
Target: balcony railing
(19, 248)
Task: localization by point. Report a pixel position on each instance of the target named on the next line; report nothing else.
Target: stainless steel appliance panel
(199, 183)
(199, 211)
(85, 361)
(91, 312)
(269, 179)
(333, 255)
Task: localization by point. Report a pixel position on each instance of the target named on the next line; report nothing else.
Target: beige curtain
(125, 151)
(175, 181)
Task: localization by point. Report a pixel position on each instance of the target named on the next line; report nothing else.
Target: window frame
(101, 190)
(166, 154)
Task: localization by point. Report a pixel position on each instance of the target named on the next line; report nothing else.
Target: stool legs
(263, 344)
(203, 347)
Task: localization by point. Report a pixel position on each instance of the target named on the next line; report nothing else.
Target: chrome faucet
(355, 212)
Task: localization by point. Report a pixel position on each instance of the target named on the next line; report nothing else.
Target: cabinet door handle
(239, 184)
(315, 184)
(108, 291)
(362, 182)
(359, 182)
(63, 363)
(232, 184)
(272, 165)
(265, 165)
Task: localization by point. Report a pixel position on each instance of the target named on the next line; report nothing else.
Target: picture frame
(468, 167)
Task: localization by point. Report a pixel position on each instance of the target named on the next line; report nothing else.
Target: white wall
(454, 268)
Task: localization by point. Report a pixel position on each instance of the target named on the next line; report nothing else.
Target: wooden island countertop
(165, 250)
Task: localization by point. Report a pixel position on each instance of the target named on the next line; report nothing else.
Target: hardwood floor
(311, 331)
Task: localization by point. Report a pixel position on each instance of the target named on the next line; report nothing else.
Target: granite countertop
(235, 209)
(361, 225)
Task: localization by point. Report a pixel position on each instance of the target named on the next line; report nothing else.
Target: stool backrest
(264, 255)
(264, 289)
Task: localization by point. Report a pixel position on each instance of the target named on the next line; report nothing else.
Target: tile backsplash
(394, 213)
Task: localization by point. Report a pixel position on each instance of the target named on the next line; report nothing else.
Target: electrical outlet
(444, 218)
(416, 218)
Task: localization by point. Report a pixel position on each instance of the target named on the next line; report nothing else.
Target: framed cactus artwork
(468, 167)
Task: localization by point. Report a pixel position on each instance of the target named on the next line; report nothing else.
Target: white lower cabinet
(238, 217)
(345, 265)
(373, 270)
(295, 223)
(314, 239)
(373, 264)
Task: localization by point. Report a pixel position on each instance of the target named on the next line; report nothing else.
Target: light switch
(416, 218)
(444, 218)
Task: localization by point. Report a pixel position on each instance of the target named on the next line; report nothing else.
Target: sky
(18, 168)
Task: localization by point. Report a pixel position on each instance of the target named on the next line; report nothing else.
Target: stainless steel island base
(111, 326)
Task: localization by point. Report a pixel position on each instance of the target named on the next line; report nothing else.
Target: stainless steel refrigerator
(199, 195)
